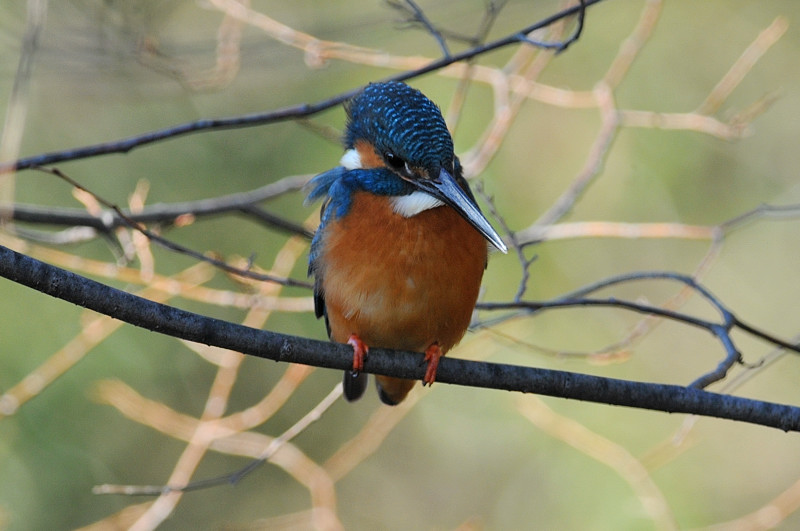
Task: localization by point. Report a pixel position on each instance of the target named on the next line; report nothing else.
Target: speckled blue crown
(395, 116)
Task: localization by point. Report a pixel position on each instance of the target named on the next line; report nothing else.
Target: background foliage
(449, 457)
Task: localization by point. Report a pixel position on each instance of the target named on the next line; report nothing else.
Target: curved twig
(291, 112)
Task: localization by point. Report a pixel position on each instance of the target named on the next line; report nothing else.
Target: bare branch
(280, 347)
(291, 112)
(247, 273)
(416, 16)
(166, 214)
(562, 45)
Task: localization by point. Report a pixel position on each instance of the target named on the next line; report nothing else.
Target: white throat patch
(412, 204)
(351, 160)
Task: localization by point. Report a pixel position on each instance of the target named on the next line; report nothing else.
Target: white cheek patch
(351, 160)
(414, 203)
(405, 205)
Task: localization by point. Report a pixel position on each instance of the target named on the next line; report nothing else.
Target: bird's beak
(446, 189)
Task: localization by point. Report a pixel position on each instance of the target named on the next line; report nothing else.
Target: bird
(402, 245)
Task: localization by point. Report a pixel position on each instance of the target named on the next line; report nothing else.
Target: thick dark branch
(279, 347)
(292, 112)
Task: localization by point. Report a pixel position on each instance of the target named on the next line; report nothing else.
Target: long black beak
(446, 189)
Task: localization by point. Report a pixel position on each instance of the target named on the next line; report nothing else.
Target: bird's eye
(394, 161)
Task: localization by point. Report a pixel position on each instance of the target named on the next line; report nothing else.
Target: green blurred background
(461, 456)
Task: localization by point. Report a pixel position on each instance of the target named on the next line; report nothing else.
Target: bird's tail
(354, 384)
(392, 391)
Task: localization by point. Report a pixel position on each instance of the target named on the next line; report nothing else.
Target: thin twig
(224, 266)
(166, 214)
(561, 45)
(291, 112)
(234, 477)
(519, 250)
(418, 16)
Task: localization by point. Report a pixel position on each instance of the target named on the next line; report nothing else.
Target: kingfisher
(401, 247)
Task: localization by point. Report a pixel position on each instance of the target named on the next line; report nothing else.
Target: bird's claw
(360, 351)
(432, 356)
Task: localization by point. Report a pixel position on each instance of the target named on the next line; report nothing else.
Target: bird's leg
(360, 351)
(432, 355)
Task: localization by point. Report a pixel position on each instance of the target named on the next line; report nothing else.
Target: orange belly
(396, 282)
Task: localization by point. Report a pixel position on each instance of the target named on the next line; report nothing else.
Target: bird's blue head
(402, 124)
(398, 145)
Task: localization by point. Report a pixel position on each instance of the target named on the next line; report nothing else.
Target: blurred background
(450, 457)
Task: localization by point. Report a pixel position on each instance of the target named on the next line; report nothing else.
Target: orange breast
(398, 282)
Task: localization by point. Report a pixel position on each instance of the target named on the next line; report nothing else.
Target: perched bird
(401, 247)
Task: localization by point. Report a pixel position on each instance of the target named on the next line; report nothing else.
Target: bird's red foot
(432, 356)
(360, 351)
